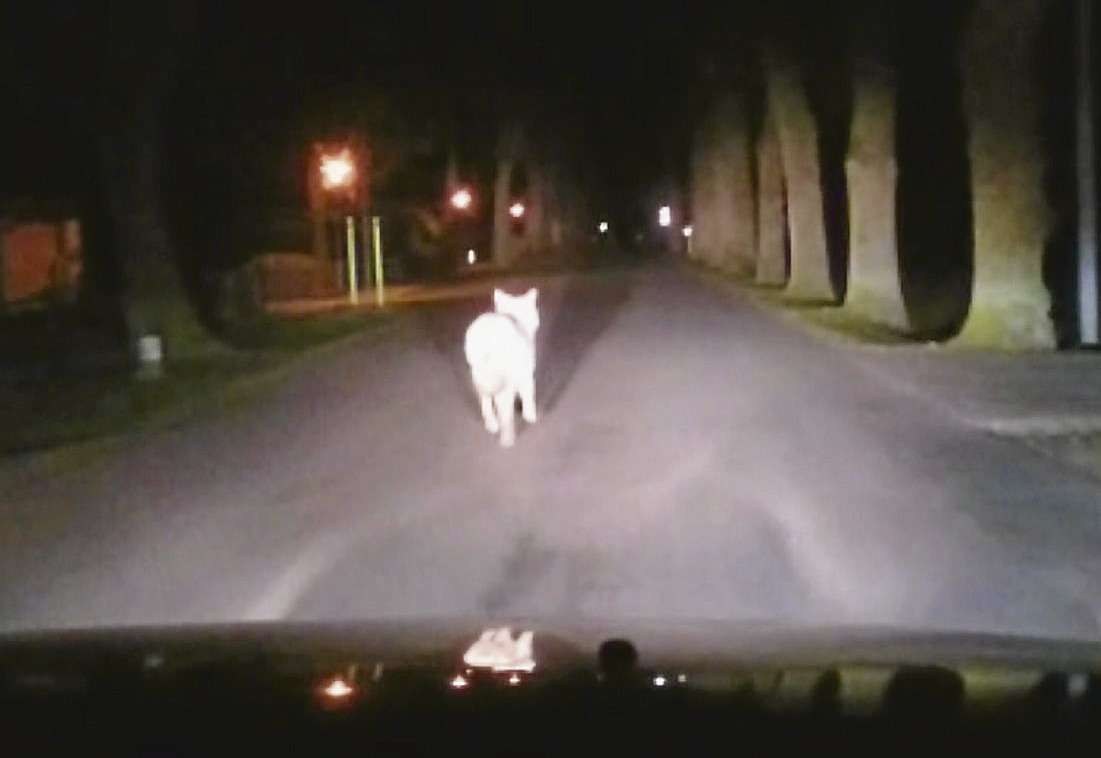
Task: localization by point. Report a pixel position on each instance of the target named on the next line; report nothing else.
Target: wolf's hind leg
(527, 400)
(489, 416)
(506, 413)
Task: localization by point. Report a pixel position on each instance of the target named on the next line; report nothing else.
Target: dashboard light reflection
(338, 689)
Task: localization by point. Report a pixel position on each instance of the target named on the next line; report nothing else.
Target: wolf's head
(523, 308)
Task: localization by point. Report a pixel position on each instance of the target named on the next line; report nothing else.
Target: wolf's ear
(498, 297)
(532, 294)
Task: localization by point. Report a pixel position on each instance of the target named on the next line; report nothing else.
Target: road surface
(696, 458)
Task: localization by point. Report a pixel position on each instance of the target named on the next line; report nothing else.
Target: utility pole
(1087, 182)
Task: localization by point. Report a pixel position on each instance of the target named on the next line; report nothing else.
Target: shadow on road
(584, 311)
(445, 326)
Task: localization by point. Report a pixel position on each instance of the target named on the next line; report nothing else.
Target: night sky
(620, 75)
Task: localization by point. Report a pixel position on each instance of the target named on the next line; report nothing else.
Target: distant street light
(687, 231)
(461, 198)
(603, 227)
(471, 257)
(516, 210)
(337, 171)
(665, 216)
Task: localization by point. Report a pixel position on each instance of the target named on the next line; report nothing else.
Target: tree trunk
(155, 301)
(810, 266)
(1087, 179)
(502, 223)
(697, 200)
(772, 267)
(734, 185)
(710, 240)
(1010, 307)
(536, 217)
(141, 66)
(871, 170)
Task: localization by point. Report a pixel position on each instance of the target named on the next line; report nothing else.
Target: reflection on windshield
(498, 651)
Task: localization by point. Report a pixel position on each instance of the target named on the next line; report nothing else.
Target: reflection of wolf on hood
(500, 348)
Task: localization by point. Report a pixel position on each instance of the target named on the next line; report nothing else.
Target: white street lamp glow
(665, 215)
(687, 231)
(603, 227)
(516, 210)
(462, 199)
(471, 256)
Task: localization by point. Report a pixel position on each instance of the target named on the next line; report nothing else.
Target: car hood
(702, 644)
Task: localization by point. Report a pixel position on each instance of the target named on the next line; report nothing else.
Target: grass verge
(1080, 451)
(50, 413)
(820, 317)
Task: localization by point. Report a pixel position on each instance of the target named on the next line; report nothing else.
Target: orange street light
(337, 171)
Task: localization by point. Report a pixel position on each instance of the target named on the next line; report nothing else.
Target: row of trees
(539, 167)
(763, 168)
(202, 142)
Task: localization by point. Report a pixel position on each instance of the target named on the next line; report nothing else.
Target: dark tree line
(903, 156)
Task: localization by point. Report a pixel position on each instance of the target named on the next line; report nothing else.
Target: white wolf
(500, 348)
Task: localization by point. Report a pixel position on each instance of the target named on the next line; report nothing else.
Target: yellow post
(353, 282)
(368, 279)
(376, 243)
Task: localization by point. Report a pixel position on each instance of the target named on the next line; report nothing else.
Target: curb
(1026, 425)
(755, 297)
(1040, 426)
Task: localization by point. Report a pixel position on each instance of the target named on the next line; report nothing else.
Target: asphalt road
(695, 459)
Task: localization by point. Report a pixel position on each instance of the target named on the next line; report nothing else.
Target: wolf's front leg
(527, 401)
(506, 413)
(489, 416)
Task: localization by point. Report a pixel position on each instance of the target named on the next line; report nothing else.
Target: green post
(376, 243)
(353, 283)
